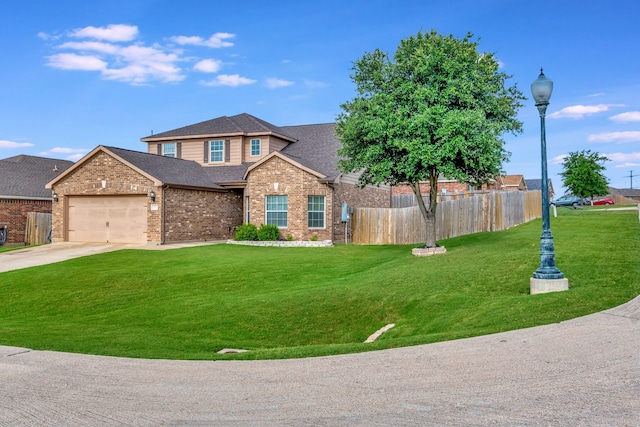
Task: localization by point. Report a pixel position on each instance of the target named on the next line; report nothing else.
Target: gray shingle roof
(227, 174)
(317, 147)
(26, 176)
(534, 184)
(168, 170)
(241, 123)
(625, 192)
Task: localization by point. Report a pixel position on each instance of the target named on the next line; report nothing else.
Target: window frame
(259, 148)
(172, 155)
(221, 150)
(310, 211)
(270, 212)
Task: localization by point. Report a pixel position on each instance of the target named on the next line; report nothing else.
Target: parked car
(603, 201)
(574, 201)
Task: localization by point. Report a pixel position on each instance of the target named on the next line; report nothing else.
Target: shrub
(268, 232)
(289, 238)
(246, 232)
(314, 238)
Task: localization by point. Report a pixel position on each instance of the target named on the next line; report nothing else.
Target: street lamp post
(547, 278)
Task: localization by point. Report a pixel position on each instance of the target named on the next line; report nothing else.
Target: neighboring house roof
(513, 180)
(160, 169)
(626, 192)
(536, 184)
(26, 176)
(241, 124)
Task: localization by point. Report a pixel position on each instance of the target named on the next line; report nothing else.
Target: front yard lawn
(296, 302)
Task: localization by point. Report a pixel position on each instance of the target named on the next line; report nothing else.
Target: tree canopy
(582, 173)
(439, 107)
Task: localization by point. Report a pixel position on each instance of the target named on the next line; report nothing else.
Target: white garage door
(113, 219)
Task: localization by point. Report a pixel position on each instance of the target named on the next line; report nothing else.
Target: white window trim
(259, 146)
(324, 212)
(267, 211)
(217, 151)
(175, 149)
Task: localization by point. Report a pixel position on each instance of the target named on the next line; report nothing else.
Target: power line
(630, 176)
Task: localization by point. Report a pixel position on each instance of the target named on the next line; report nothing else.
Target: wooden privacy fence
(489, 211)
(38, 228)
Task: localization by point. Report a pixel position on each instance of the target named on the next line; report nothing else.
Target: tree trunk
(429, 214)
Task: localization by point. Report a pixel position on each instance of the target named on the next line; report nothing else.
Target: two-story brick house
(201, 181)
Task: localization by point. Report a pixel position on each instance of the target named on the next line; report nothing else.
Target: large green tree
(582, 173)
(439, 107)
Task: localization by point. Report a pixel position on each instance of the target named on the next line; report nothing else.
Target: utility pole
(631, 180)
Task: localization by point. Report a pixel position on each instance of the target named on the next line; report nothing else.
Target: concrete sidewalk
(583, 372)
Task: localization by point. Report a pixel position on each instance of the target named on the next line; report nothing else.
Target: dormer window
(255, 147)
(216, 149)
(169, 149)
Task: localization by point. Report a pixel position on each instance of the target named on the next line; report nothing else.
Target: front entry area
(108, 219)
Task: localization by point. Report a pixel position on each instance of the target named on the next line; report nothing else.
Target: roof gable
(160, 169)
(241, 124)
(286, 159)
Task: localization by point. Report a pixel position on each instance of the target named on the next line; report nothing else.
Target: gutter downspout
(162, 220)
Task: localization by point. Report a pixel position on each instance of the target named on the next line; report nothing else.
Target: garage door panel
(113, 219)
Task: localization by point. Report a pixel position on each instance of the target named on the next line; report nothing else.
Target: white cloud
(215, 41)
(594, 95)
(100, 47)
(631, 116)
(580, 111)
(112, 33)
(625, 159)
(63, 150)
(274, 83)
(13, 144)
(113, 54)
(232, 80)
(135, 64)
(558, 160)
(208, 66)
(314, 84)
(72, 61)
(45, 36)
(619, 137)
(74, 154)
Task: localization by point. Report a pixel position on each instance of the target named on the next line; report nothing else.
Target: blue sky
(78, 74)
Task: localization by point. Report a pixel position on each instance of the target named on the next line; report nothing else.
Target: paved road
(583, 372)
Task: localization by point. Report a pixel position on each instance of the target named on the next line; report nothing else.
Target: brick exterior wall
(201, 215)
(298, 184)
(368, 197)
(13, 214)
(295, 183)
(104, 175)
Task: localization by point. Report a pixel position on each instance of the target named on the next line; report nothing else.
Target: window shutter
(179, 150)
(206, 152)
(227, 150)
(159, 149)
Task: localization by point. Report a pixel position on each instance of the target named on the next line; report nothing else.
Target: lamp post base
(542, 286)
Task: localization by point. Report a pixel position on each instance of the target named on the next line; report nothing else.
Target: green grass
(297, 302)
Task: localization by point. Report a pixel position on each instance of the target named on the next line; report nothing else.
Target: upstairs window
(255, 147)
(315, 211)
(216, 149)
(169, 149)
(277, 210)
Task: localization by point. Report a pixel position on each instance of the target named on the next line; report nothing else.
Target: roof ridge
(232, 122)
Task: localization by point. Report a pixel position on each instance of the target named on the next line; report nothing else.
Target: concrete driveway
(583, 372)
(56, 252)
